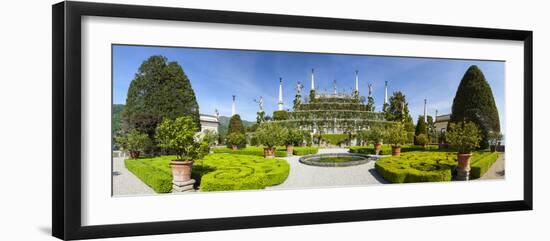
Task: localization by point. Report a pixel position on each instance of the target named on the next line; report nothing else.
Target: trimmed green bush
(250, 150)
(417, 167)
(301, 151)
(155, 172)
(240, 172)
(334, 139)
(482, 164)
(429, 166)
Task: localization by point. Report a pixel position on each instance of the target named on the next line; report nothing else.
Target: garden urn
(377, 148)
(289, 150)
(181, 171)
(269, 152)
(463, 168)
(396, 151)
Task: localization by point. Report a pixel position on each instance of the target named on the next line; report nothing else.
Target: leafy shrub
(422, 139)
(280, 115)
(236, 126)
(254, 151)
(134, 141)
(301, 151)
(179, 136)
(271, 134)
(154, 172)
(235, 138)
(396, 134)
(481, 165)
(294, 137)
(240, 172)
(464, 136)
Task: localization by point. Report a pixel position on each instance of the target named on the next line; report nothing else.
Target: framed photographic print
(169, 120)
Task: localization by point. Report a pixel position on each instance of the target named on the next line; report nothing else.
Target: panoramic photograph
(191, 120)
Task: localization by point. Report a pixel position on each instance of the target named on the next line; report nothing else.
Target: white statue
(260, 103)
(299, 88)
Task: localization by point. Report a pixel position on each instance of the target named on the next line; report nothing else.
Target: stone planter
(377, 148)
(181, 175)
(134, 154)
(269, 152)
(289, 150)
(234, 147)
(396, 151)
(463, 168)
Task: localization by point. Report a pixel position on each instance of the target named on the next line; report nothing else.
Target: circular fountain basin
(336, 159)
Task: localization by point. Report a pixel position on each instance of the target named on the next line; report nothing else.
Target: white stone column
(233, 107)
(312, 80)
(280, 103)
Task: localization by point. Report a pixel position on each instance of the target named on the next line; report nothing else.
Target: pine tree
(397, 109)
(474, 102)
(159, 90)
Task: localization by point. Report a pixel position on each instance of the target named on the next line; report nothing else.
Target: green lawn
(215, 172)
(430, 166)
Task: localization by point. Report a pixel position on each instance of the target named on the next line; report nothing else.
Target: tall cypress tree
(236, 126)
(474, 102)
(160, 89)
(421, 128)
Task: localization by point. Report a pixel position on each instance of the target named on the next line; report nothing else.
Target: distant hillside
(224, 123)
(116, 117)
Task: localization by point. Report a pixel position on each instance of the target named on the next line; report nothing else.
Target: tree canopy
(398, 110)
(159, 90)
(474, 102)
(421, 128)
(236, 126)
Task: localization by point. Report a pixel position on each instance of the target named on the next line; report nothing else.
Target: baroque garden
(326, 138)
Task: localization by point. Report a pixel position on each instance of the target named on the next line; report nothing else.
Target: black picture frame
(66, 127)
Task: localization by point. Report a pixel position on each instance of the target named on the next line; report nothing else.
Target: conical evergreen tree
(159, 90)
(397, 109)
(421, 128)
(236, 126)
(474, 102)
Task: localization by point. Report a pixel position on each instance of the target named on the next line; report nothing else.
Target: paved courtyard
(304, 176)
(125, 182)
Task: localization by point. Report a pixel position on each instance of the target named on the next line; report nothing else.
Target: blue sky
(217, 74)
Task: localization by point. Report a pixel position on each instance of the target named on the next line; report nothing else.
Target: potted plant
(376, 135)
(134, 142)
(270, 135)
(179, 137)
(464, 137)
(294, 137)
(396, 136)
(422, 140)
(235, 139)
(495, 137)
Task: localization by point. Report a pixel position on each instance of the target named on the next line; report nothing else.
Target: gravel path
(497, 169)
(125, 182)
(302, 175)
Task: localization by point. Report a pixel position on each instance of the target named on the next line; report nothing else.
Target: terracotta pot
(289, 150)
(181, 171)
(396, 151)
(377, 148)
(234, 147)
(269, 152)
(464, 161)
(134, 154)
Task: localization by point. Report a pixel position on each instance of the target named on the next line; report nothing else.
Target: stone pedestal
(463, 174)
(186, 186)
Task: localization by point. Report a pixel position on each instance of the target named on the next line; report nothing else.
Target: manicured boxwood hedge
(219, 172)
(301, 151)
(429, 166)
(155, 172)
(215, 172)
(251, 150)
(481, 165)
